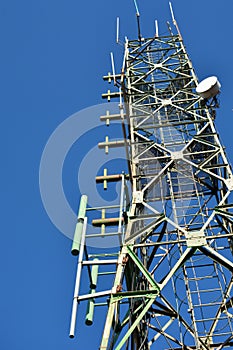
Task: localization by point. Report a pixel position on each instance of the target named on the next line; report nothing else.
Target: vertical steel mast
(170, 286)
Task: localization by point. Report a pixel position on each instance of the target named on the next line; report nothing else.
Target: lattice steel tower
(170, 280)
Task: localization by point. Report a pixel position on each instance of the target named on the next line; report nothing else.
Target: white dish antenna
(208, 87)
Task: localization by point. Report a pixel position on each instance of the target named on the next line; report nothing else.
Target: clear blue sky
(53, 56)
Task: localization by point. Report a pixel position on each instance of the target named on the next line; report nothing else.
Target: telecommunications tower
(168, 284)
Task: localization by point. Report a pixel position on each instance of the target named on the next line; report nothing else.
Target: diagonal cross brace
(136, 322)
(184, 257)
(147, 229)
(142, 268)
(220, 259)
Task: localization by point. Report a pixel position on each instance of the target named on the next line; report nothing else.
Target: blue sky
(53, 57)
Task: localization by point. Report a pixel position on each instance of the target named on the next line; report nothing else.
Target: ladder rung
(197, 266)
(218, 335)
(211, 319)
(201, 278)
(206, 305)
(212, 290)
(189, 207)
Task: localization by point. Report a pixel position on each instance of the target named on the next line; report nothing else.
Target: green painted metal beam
(142, 268)
(79, 226)
(135, 324)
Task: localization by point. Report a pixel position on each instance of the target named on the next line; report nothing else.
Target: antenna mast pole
(138, 20)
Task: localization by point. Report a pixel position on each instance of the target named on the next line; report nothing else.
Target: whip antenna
(138, 20)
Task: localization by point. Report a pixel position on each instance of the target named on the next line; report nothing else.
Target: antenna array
(168, 284)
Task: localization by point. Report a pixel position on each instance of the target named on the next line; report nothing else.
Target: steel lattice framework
(173, 278)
